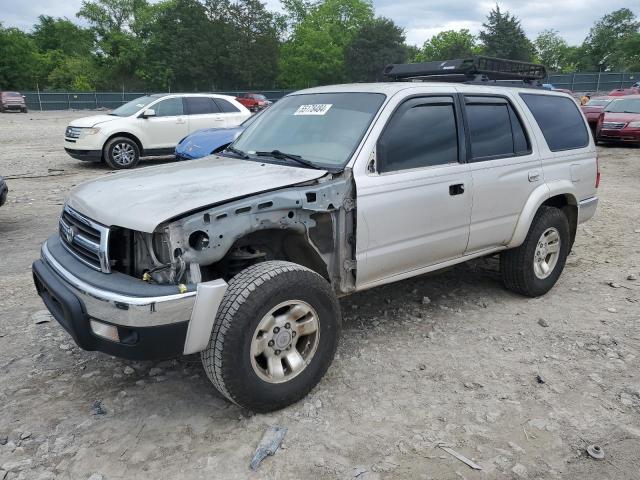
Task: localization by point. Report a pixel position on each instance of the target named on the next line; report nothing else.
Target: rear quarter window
(559, 119)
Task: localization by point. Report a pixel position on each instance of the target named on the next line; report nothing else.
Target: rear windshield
(624, 105)
(597, 102)
(133, 106)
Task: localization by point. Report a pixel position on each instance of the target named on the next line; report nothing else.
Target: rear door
(203, 112)
(231, 113)
(503, 164)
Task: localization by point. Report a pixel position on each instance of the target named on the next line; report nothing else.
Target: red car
(621, 92)
(593, 108)
(620, 121)
(253, 101)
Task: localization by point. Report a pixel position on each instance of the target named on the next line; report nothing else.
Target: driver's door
(414, 209)
(167, 127)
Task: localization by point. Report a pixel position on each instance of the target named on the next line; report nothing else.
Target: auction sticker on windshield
(313, 109)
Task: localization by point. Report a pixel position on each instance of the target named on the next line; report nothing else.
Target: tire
(24, 110)
(129, 153)
(230, 360)
(517, 268)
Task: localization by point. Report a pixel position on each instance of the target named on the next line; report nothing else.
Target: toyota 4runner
(333, 190)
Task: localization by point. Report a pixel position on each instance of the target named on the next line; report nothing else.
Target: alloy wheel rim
(547, 253)
(123, 153)
(285, 341)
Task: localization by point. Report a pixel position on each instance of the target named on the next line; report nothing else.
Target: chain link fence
(578, 82)
(602, 82)
(109, 100)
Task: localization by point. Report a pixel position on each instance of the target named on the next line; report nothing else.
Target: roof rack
(473, 70)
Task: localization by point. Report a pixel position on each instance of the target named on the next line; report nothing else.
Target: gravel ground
(521, 386)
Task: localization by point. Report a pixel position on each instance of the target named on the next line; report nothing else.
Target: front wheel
(534, 267)
(274, 337)
(121, 152)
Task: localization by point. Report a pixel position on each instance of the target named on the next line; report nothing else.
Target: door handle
(180, 120)
(534, 176)
(457, 189)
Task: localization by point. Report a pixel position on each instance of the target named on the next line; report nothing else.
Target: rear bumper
(147, 325)
(87, 155)
(587, 209)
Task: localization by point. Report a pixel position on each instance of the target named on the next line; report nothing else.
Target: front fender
(536, 199)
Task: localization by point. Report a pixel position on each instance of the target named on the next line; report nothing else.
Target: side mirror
(24, 96)
(149, 112)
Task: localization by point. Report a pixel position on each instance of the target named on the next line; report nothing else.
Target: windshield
(323, 128)
(624, 105)
(133, 106)
(597, 102)
(11, 94)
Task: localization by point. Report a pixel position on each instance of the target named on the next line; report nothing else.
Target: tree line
(202, 45)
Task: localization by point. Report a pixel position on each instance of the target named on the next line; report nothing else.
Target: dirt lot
(520, 385)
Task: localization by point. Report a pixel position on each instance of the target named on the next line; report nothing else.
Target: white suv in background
(149, 125)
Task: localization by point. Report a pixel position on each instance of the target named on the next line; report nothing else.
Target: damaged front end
(311, 224)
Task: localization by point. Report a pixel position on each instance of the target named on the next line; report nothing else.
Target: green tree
(20, 63)
(375, 46)
(629, 56)
(552, 51)
(315, 52)
(63, 35)
(605, 43)
(75, 73)
(503, 37)
(448, 45)
(116, 24)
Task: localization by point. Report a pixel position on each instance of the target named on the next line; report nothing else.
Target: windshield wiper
(289, 156)
(238, 152)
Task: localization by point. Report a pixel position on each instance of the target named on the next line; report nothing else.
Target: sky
(421, 19)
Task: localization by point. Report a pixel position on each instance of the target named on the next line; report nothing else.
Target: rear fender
(536, 199)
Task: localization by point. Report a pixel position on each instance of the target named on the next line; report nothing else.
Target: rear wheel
(534, 267)
(121, 153)
(24, 110)
(274, 336)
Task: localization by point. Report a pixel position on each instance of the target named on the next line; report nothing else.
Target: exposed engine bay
(311, 224)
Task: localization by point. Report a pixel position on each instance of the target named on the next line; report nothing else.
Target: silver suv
(242, 256)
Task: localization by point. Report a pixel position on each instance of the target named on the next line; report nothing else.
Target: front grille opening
(81, 239)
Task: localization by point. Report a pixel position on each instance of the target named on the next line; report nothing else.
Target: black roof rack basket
(478, 68)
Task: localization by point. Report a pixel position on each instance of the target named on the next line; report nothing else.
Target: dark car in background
(4, 190)
(620, 121)
(593, 108)
(254, 101)
(209, 140)
(12, 101)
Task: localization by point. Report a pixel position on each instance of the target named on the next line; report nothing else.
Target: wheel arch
(560, 194)
(128, 135)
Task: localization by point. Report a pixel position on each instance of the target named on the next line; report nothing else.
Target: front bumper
(626, 135)
(86, 155)
(150, 322)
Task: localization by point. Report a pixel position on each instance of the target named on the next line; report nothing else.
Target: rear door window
(495, 131)
(559, 119)
(422, 133)
(226, 106)
(201, 105)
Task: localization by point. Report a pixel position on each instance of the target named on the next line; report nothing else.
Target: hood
(593, 109)
(93, 120)
(142, 199)
(621, 117)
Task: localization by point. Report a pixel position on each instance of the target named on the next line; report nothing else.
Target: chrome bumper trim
(587, 209)
(121, 309)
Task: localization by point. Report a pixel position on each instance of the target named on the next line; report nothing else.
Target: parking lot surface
(521, 386)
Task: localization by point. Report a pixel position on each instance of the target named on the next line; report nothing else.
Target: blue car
(209, 140)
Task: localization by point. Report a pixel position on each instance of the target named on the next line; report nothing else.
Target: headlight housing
(634, 124)
(89, 131)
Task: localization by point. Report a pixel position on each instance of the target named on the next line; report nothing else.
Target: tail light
(597, 172)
